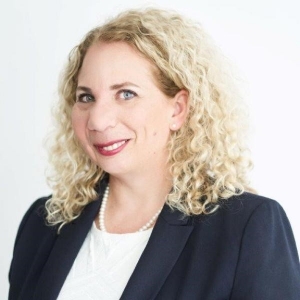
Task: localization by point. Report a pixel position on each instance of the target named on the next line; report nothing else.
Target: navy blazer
(245, 251)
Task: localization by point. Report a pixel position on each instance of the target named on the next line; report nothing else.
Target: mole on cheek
(154, 133)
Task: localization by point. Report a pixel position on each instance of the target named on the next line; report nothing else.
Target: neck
(139, 192)
(132, 202)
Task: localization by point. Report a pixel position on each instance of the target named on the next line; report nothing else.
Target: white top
(103, 265)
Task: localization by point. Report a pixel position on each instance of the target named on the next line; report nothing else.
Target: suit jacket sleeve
(31, 209)
(268, 265)
(29, 237)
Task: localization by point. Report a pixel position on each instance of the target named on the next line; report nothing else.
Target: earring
(174, 126)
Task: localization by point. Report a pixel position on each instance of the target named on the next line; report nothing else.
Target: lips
(111, 148)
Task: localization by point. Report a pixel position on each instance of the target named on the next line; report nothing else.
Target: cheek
(158, 126)
(78, 124)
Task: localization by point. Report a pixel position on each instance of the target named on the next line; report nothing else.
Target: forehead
(116, 59)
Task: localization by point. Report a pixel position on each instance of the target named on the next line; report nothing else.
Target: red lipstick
(111, 148)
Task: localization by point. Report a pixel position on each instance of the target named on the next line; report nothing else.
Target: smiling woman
(126, 114)
(150, 192)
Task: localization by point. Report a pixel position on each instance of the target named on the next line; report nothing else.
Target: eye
(127, 94)
(85, 98)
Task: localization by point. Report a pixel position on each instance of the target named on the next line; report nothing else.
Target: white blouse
(103, 265)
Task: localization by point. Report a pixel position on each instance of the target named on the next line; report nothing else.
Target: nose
(102, 116)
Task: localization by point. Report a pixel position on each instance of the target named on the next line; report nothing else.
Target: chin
(114, 168)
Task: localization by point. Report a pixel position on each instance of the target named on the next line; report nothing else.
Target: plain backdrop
(261, 38)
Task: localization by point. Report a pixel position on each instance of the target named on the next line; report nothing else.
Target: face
(121, 118)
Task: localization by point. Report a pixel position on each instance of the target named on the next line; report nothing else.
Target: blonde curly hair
(207, 156)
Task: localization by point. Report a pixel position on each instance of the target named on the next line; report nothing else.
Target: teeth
(113, 146)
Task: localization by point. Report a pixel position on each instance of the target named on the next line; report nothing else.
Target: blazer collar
(65, 250)
(166, 242)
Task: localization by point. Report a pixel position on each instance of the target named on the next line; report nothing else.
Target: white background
(260, 37)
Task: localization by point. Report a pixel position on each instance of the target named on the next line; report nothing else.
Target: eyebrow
(123, 84)
(112, 87)
(83, 88)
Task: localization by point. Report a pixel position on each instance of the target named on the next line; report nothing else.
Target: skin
(123, 122)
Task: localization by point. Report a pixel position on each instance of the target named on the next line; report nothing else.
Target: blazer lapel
(64, 252)
(166, 242)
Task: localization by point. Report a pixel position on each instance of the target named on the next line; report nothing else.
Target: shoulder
(248, 203)
(33, 224)
(243, 207)
(254, 234)
(255, 211)
(267, 249)
(33, 227)
(34, 215)
(263, 220)
(33, 235)
(247, 218)
(36, 209)
(261, 215)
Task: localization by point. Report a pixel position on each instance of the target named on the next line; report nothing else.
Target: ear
(180, 110)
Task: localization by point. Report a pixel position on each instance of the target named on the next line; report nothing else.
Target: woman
(150, 177)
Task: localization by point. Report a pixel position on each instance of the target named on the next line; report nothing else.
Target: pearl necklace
(102, 212)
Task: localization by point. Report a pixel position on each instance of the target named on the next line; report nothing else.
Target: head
(206, 155)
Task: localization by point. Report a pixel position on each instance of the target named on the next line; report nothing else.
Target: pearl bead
(102, 212)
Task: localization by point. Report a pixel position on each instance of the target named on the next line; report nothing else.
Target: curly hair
(207, 156)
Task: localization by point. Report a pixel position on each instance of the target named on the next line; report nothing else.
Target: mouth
(111, 148)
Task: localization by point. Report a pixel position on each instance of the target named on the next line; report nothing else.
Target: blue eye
(127, 94)
(85, 98)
